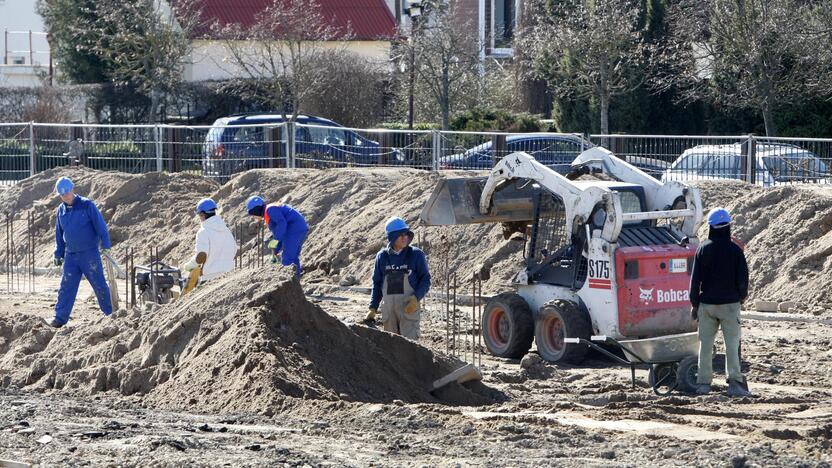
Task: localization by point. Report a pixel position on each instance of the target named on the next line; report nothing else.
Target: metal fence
(765, 161)
(220, 151)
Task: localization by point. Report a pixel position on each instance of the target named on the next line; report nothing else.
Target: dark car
(554, 151)
(241, 142)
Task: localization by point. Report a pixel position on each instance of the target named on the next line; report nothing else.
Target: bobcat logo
(646, 295)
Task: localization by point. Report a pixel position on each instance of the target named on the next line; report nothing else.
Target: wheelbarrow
(671, 359)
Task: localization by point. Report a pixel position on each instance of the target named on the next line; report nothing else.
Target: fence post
(498, 148)
(436, 149)
(32, 153)
(751, 160)
(157, 130)
(290, 145)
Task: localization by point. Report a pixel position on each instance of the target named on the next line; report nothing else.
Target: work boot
(52, 323)
(737, 389)
(703, 389)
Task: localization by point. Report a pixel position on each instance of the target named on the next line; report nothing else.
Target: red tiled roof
(366, 19)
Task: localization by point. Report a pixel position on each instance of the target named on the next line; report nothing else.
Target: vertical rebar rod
(15, 277)
(132, 272)
(9, 283)
(153, 274)
(32, 251)
(126, 276)
(456, 324)
(260, 246)
(447, 307)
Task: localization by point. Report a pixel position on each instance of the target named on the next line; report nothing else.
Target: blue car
(241, 142)
(554, 151)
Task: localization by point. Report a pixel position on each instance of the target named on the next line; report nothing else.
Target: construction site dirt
(256, 369)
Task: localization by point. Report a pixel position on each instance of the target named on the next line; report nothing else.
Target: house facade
(371, 23)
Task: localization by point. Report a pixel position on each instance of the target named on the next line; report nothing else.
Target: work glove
(57, 261)
(271, 242)
(694, 313)
(370, 318)
(412, 305)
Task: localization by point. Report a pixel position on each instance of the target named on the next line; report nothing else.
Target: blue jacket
(80, 227)
(283, 220)
(419, 276)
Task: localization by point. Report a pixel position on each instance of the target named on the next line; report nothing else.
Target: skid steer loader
(603, 257)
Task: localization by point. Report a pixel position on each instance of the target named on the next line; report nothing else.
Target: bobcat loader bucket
(457, 201)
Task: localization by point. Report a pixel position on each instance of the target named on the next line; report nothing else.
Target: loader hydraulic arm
(664, 199)
(578, 203)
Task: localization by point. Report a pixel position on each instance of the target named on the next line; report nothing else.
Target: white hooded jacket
(215, 239)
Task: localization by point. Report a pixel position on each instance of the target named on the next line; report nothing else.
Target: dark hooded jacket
(720, 272)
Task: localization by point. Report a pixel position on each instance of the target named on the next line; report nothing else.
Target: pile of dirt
(250, 342)
(784, 228)
(141, 210)
(346, 210)
(786, 232)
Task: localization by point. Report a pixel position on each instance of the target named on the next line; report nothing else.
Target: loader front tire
(507, 326)
(556, 321)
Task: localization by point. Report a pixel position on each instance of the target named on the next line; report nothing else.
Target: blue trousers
(88, 264)
(292, 244)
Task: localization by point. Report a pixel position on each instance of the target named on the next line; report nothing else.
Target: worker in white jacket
(215, 239)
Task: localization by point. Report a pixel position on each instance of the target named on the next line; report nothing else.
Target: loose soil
(256, 369)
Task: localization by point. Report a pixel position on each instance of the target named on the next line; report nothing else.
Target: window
(248, 134)
(500, 20)
(503, 23)
(690, 162)
(18, 60)
(795, 166)
(327, 135)
(723, 166)
(630, 203)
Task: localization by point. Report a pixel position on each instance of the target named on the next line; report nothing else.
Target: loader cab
(550, 257)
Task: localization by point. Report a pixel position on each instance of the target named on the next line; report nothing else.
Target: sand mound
(786, 231)
(347, 210)
(784, 228)
(140, 209)
(245, 343)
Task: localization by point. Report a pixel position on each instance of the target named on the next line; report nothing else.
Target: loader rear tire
(556, 321)
(507, 326)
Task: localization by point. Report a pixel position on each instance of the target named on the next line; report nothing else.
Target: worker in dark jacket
(288, 228)
(79, 232)
(718, 286)
(400, 281)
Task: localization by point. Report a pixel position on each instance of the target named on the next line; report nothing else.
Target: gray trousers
(711, 318)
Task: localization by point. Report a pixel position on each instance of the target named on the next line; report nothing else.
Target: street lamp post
(414, 11)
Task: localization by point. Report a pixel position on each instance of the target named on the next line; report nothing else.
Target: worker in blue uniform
(288, 228)
(79, 233)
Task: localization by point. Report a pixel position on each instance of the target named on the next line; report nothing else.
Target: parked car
(554, 151)
(238, 143)
(775, 164)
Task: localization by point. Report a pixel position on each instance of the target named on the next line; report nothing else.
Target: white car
(775, 164)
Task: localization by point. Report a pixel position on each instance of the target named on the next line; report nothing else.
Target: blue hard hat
(718, 216)
(253, 202)
(206, 205)
(395, 224)
(63, 186)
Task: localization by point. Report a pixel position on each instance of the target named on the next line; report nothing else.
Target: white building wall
(25, 57)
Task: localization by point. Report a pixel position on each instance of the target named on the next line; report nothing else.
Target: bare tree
(585, 48)
(446, 55)
(146, 44)
(746, 53)
(283, 53)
